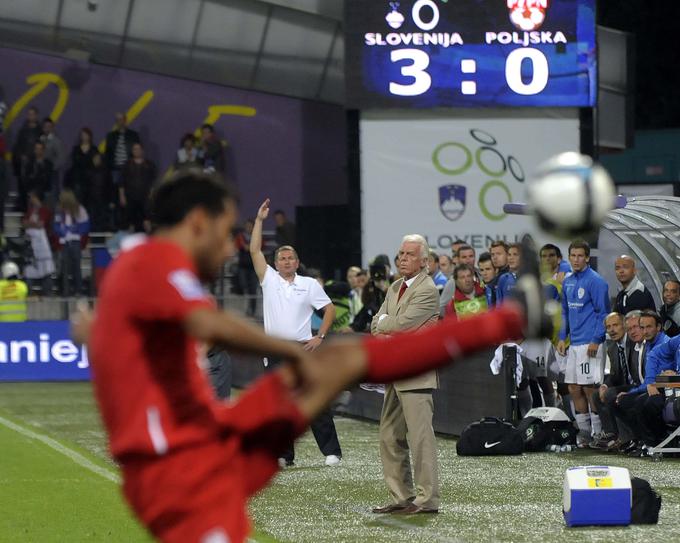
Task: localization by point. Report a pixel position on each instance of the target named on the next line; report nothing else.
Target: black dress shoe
(392, 508)
(413, 509)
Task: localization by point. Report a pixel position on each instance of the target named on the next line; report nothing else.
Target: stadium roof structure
(649, 227)
(290, 47)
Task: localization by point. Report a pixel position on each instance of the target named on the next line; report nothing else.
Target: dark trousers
(652, 422)
(220, 372)
(70, 266)
(248, 282)
(629, 409)
(322, 427)
(610, 424)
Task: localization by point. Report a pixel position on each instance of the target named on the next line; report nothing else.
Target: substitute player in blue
(585, 304)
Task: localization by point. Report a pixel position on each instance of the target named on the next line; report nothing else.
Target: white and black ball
(570, 195)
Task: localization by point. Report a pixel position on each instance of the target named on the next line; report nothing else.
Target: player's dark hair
(458, 241)
(465, 247)
(462, 267)
(499, 243)
(579, 244)
(551, 247)
(174, 199)
(651, 315)
(675, 281)
(484, 257)
(434, 255)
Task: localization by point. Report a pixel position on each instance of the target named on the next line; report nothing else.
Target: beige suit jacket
(418, 307)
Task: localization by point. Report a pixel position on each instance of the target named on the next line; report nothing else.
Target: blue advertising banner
(41, 351)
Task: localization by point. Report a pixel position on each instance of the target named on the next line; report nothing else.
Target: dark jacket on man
(24, 144)
(635, 296)
(670, 317)
(131, 137)
(617, 376)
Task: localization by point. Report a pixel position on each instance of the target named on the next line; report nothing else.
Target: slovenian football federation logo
(527, 15)
(452, 201)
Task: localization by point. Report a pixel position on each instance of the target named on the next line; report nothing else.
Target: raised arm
(259, 262)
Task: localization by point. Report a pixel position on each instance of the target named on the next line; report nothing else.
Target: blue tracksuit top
(661, 354)
(585, 304)
(506, 283)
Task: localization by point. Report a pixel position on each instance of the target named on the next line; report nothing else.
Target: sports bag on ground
(489, 437)
(646, 502)
(546, 426)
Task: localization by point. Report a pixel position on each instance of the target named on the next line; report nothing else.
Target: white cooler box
(597, 496)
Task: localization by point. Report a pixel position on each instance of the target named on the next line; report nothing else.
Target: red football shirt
(153, 395)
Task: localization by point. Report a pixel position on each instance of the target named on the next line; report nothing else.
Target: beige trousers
(406, 426)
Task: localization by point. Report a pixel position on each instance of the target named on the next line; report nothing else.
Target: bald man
(633, 294)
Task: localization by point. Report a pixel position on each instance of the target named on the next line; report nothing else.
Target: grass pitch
(47, 496)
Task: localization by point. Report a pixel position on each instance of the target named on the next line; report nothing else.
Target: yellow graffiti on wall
(39, 82)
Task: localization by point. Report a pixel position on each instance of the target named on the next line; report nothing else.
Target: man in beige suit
(406, 418)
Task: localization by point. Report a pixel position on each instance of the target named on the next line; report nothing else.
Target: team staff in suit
(623, 376)
(411, 303)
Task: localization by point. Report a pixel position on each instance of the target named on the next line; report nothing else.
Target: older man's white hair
(420, 240)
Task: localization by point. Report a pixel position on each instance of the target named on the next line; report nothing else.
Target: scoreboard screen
(470, 53)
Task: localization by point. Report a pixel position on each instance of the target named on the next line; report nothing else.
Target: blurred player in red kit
(190, 462)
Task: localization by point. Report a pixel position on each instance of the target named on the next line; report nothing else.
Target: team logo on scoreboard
(394, 18)
(452, 201)
(527, 15)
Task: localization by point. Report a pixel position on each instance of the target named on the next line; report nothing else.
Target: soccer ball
(570, 195)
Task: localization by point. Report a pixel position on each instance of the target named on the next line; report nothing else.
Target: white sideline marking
(69, 453)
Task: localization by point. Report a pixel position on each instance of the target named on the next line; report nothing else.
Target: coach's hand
(603, 391)
(562, 347)
(263, 212)
(592, 349)
(313, 343)
(619, 396)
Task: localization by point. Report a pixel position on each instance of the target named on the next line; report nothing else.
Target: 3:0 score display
(475, 53)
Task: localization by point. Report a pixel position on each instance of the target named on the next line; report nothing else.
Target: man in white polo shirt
(288, 303)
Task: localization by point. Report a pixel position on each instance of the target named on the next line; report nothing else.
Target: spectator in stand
(585, 304)
(24, 147)
(372, 297)
(119, 144)
(187, 154)
(78, 175)
(355, 291)
(468, 298)
(138, 177)
(212, 152)
(38, 172)
(72, 226)
(285, 230)
(670, 310)
(247, 277)
(101, 196)
(464, 255)
(633, 295)
(552, 263)
(54, 152)
(499, 259)
(487, 273)
(37, 223)
(621, 378)
(454, 250)
(507, 281)
(630, 404)
(433, 270)
(446, 266)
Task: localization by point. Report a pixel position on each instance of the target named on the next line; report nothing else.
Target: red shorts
(200, 494)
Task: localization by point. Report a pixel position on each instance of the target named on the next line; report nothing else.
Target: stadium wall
(293, 151)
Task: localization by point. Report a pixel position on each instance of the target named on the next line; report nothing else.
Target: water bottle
(566, 448)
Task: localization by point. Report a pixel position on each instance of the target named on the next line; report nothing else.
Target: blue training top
(661, 356)
(585, 304)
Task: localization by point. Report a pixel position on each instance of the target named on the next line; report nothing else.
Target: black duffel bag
(490, 437)
(646, 502)
(539, 435)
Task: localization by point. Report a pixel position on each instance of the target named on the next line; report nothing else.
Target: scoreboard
(470, 53)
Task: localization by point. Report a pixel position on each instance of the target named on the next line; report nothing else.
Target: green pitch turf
(47, 496)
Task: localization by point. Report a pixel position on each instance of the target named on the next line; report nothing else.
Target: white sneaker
(332, 460)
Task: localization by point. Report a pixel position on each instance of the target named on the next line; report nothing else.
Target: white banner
(449, 178)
